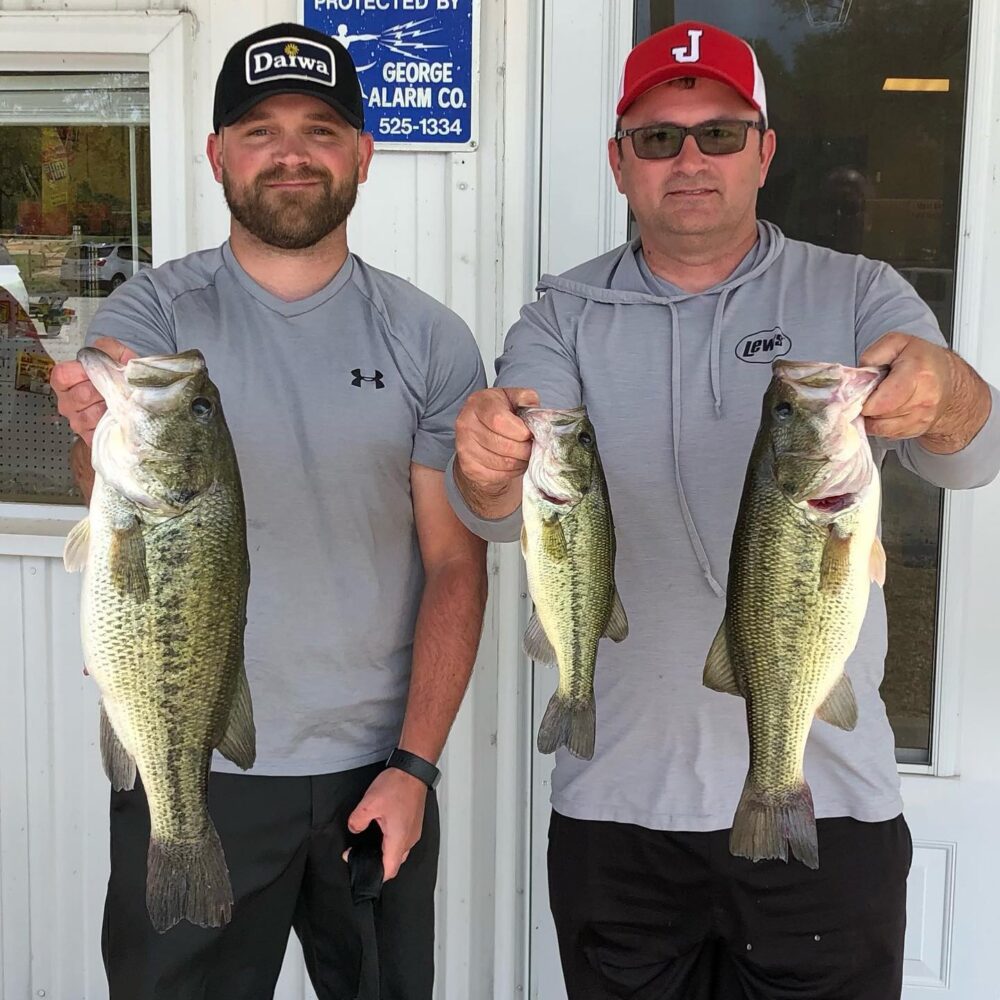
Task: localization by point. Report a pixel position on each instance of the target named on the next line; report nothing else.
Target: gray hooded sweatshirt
(673, 384)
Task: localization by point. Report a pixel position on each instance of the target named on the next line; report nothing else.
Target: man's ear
(213, 150)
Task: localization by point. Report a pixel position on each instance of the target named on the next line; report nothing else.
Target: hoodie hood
(621, 277)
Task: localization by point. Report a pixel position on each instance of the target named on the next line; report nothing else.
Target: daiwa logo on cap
(290, 59)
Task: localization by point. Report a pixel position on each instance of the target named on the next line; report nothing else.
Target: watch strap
(413, 764)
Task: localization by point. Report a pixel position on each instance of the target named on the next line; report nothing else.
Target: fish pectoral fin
(840, 708)
(119, 764)
(239, 743)
(524, 541)
(127, 561)
(536, 643)
(719, 674)
(618, 622)
(553, 540)
(77, 546)
(836, 563)
(877, 562)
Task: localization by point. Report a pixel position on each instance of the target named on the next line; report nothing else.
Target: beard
(291, 220)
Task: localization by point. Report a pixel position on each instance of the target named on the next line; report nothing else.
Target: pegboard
(34, 440)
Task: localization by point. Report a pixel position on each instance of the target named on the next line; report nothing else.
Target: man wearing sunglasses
(667, 341)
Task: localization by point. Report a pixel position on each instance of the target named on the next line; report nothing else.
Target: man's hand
(395, 800)
(79, 402)
(930, 393)
(492, 447)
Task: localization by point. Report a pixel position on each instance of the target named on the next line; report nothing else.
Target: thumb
(885, 350)
(115, 349)
(359, 819)
(521, 397)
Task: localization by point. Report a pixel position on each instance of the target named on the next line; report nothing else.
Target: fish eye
(202, 407)
(585, 439)
(783, 410)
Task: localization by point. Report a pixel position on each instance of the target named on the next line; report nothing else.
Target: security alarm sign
(418, 64)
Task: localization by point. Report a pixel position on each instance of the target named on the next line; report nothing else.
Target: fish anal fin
(239, 743)
(536, 643)
(119, 764)
(840, 707)
(718, 673)
(617, 629)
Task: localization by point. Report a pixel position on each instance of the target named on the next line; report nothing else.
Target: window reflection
(869, 161)
(75, 224)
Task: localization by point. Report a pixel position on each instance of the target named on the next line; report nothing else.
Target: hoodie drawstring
(716, 350)
(675, 426)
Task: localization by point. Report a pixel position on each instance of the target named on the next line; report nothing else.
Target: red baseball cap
(692, 49)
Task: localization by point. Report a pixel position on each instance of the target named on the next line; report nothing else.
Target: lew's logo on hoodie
(763, 347)
(290, 59)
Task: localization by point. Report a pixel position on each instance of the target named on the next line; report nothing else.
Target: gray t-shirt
(673, 383)
(328, 399)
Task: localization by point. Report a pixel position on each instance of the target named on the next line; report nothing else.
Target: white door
(899, 172)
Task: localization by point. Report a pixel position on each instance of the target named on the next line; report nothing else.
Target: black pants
(283, 839)
(648, 915)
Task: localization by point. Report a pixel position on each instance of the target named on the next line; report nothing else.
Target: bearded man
(341, 384)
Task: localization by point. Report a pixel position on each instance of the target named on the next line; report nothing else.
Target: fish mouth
(106, 375)
(539, 417)
(833, 505)
(153, 383)
(820, 380)
(551, 498)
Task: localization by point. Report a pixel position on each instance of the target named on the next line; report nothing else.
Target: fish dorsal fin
(877, 562)
(536, 643)
(240, 741)
(618, 622)
(77, 547)
(840, 708)
(719, 674)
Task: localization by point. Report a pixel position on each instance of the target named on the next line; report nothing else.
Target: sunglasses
(664, 141)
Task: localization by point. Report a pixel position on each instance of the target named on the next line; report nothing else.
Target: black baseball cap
(287, 59)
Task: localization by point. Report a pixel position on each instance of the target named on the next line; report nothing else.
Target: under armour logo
(359, 378)
(693, 52)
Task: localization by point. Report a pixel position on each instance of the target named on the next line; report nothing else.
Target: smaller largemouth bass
(163, 610)
(804, 552)
(568, 543)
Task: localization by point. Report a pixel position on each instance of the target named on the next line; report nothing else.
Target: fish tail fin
(188, 881)
(569, 723)
(767, 824)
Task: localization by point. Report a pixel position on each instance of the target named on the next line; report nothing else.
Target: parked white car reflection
(93, 268)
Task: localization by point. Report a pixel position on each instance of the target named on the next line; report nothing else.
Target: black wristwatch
(417, 766)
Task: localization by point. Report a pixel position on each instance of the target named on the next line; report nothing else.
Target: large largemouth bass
(568, 542)
(163, 611)
(804, 552)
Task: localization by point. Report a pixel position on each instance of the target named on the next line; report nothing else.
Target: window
(74, 180)
(868, 101)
